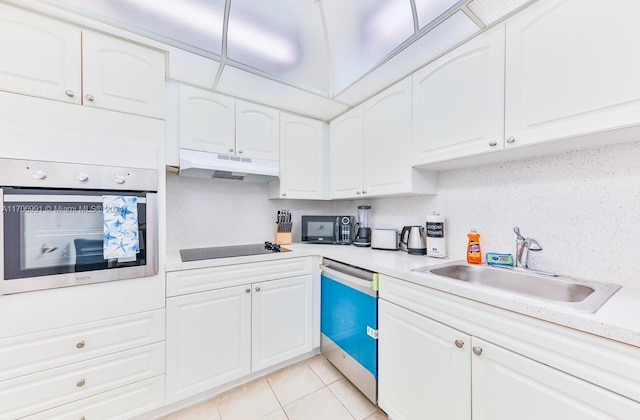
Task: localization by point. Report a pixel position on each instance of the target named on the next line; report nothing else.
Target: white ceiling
(340, 50)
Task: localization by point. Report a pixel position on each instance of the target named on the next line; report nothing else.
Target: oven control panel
(27, 173)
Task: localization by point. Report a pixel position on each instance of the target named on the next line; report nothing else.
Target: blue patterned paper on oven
(120, 226)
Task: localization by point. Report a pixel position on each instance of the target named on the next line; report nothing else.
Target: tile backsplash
(583, 208)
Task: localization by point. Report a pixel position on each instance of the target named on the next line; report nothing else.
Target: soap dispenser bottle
(474, 254)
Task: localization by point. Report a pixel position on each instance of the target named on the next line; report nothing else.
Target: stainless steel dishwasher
(349, 323)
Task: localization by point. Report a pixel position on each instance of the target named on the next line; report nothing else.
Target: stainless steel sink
(582, 295)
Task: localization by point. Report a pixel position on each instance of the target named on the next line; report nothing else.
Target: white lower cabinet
(281, 320)
(30, 394)
(218, 335)
(121, 403)
(509, 386)
(208, 340)
(430, 370)
(422, 374)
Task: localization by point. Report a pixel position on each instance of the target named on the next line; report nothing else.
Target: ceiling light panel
(284, 39)
(490, 11)
(430, 10)
(191, 23)
(362, 33)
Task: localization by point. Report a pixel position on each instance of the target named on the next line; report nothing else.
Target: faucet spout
(523, 247)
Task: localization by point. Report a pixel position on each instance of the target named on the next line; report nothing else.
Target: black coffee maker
(363, 233)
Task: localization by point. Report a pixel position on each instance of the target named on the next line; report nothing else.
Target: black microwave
(328, 229)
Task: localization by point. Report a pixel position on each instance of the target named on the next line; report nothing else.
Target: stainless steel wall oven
(69, 224)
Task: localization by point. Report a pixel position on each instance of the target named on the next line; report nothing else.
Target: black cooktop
(197, 254)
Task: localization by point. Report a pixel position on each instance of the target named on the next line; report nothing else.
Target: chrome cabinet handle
(477, 351)
(358, 192)
(80, 383)
(511, 140)
(493, 143)
(247, 291)
(89, 97)
(364, 191)
(69, 93)
(240, 151)
(459, 343)
(80, 345)
(231, 150)
(257, 288)
(284, 194)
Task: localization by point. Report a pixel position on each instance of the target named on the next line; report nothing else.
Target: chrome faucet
(523, 246)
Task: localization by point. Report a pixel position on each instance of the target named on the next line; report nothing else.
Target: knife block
(283, 238)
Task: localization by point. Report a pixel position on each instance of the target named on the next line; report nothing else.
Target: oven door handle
(365, 286)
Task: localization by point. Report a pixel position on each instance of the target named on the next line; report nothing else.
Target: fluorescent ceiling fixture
(490, 11)
(267, 44)
(199, 15)
(389, 23)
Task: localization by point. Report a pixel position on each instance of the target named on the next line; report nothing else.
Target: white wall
(583, 207)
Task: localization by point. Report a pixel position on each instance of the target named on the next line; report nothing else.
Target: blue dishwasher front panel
(345, 315)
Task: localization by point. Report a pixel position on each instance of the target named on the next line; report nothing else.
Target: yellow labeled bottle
(474, 254)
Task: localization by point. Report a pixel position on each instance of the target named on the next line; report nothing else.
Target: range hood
(213, 165)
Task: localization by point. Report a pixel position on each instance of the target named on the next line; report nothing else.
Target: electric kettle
(415, 239)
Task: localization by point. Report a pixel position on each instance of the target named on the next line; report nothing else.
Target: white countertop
(618, 319)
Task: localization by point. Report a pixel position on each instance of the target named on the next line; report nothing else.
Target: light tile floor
(309, 390)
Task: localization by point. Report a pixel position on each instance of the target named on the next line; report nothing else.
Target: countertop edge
(618, 319)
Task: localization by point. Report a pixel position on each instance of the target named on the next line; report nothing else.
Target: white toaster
(384, 239)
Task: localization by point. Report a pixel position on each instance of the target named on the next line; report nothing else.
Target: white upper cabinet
(572, 69)
(207, 121)
(387, 145)
(40, 56)
(49, 59)
(257, 131)
(302, 147)
(345, 155)
(370, 149)
(122, 76)
(458, 101)
(210, 122)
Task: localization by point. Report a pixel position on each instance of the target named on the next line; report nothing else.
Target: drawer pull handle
(80, 344)
(493, 143)
(89, 97)
(69, 93)
(81, 383)
(247, 291)
(477, 351)
(459, 343)
(257, 288)
(511, 140)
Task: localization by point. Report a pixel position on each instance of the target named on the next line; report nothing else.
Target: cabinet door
(572, 69)
(122, 76)
(281, 320)
(207, 121)
(387, 141)
(458, 101)
(424, 367)
(40, 56)
(257, 131)
(508, 386)
(301, 157)
(345, 155)
(208, 340)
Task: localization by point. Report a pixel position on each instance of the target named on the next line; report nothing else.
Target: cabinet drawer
(199, 280)
(121, 403)
(43, 390)
(31, 353)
